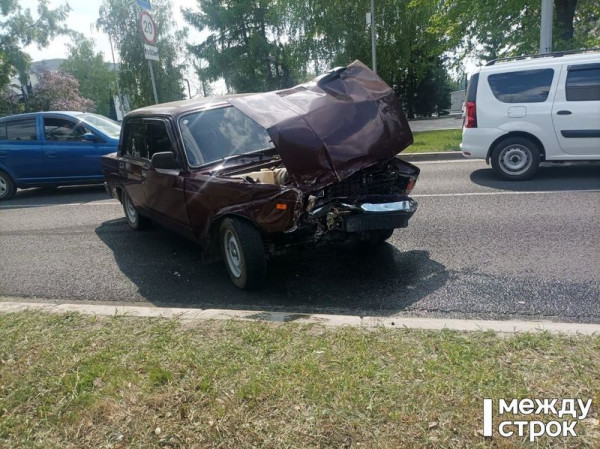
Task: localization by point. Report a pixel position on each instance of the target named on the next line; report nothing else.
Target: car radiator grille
(361, 184)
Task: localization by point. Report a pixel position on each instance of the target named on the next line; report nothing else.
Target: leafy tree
(11, 102)
(95, 77)
(490, 29)
(408, 49)
(58, 91)
(244, 46)
(19, 28)
(120, 19)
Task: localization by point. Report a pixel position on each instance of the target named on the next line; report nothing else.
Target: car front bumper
(380, 216)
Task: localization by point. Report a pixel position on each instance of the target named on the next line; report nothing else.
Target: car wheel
(375, 237)
(134, 219)
(243, 252)
(516, 159)
(7, 186)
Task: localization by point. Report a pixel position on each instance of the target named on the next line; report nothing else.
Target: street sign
(144, 4)
(148, 27)
(150, 52)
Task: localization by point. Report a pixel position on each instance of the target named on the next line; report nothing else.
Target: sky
(82, 18)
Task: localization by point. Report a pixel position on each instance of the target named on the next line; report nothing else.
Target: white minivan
(523, 111)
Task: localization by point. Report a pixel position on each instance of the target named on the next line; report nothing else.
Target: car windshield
(213, 135)
(104, 124)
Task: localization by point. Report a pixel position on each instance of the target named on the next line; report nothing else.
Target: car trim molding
(580, 133)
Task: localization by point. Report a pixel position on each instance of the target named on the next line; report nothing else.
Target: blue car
(53, 149)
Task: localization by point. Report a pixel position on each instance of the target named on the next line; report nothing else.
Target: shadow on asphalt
(168, 271)
(550, 177)
(43, 196)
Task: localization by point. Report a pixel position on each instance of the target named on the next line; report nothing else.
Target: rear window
(472, 87)
(526, 86)
(583, 83)
(21, 129)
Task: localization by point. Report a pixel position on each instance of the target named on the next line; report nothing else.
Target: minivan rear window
(472, 87)
(526, 86)
(583, 83)
(21, 129)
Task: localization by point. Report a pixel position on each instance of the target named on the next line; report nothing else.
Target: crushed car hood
(330, 128)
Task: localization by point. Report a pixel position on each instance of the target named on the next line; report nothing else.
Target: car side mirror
(90, 137)
(165, 160)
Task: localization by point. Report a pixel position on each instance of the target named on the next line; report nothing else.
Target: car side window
(135, 143)
(2, 131)
(24, 129)
(157, 138)
(525, 86)
(583, 82)
(64, 130)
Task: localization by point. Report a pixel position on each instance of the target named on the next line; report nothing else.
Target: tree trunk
(565, 12)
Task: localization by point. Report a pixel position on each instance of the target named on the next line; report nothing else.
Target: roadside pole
(153, 82)
(546, 27)
(121, 107)
(149, 33)
(373, 49)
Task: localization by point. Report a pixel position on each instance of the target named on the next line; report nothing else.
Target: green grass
(75, 381)
(427, 141)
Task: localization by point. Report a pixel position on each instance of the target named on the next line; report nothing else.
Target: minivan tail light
(471, 121)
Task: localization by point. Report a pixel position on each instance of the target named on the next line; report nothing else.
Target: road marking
(445, 162)
(532, 192)
(29, 206)
(422, 195)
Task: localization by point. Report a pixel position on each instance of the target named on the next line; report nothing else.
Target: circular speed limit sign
(148, 27)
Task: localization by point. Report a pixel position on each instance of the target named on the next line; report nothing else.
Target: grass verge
(75, 381)
(443, 140)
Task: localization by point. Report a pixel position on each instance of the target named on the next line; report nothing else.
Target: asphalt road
(477, 247)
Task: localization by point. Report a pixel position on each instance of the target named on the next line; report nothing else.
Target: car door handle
(51, 153)
(564, 112)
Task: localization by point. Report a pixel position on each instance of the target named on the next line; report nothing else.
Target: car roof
(176, 108)
(540, 62)
(34, 114)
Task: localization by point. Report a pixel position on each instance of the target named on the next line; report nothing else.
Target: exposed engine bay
(277, 176)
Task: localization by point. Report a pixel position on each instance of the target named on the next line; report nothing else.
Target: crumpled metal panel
(330, 128)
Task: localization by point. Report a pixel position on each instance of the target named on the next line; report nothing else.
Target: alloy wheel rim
(232, 254)
(515, 159)
(3, 187)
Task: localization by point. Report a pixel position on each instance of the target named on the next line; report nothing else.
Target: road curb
(433, 156)
(329, 320)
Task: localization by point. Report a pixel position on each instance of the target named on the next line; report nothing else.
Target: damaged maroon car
(248, 177)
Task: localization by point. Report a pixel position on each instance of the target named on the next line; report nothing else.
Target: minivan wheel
(516, 159)
(7, 186)
(133, 217)
(243, 252)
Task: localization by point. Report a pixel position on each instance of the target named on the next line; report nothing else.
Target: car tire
(376, 237)
(7, 186)
(133, 217)
(516, 159)
(243, 253)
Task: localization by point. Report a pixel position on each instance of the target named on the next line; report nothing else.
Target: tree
(120, 19)
(244, 46)
(58, 91)
(489, 29)
(94, 75)
(19, 28)
(409, 50)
